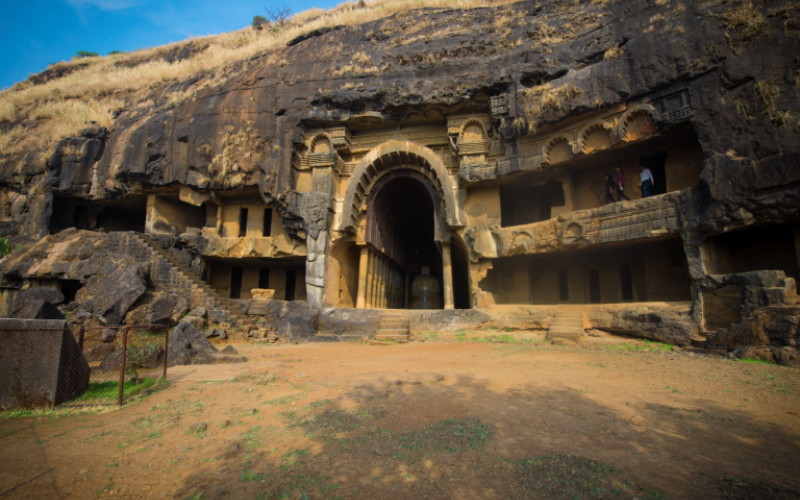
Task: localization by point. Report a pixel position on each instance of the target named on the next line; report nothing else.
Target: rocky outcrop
(187, 346)
(696, 68)
(673, 325)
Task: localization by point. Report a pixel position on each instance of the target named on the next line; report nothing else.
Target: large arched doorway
(402, 229)
(400, 205)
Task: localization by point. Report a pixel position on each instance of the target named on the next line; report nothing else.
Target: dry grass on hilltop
(62, 107)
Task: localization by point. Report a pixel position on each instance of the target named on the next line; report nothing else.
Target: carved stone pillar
(362, 278)
(370, 278)
(447, 276)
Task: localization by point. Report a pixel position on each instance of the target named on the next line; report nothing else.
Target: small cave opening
(70, 288)
(126, 214)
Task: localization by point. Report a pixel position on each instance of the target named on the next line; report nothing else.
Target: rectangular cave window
(267, 231)
(626, 281)
(242, 222)
(563, 285)
(291, 284)
(236, 282)
(594, 286)
(263, 277)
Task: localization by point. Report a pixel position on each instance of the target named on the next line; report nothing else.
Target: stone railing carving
(629, 221)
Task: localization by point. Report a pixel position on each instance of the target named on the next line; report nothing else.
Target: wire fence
(82, 365)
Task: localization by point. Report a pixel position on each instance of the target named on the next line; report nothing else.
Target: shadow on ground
(423, 437)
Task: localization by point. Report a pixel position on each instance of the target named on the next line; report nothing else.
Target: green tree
(83, 53)
(259, 22)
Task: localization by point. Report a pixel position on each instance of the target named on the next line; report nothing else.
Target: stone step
(392, 331)
(397, 338)
(698, 342)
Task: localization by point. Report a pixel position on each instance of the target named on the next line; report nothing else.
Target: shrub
(259, 22)
(83, 53)
(5, 247)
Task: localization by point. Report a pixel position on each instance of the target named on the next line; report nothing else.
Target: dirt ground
(490, 417)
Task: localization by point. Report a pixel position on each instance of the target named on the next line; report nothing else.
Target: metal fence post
(124, 360)
(166, 352)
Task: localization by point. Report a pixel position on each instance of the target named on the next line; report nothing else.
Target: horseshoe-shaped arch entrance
(401, 203)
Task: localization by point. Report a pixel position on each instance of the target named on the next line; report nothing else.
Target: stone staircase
(169, 274)
(568, 323)
(393, 325)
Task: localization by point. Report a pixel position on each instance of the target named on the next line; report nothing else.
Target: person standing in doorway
(645, 180)
(609, 188)
(620, 181)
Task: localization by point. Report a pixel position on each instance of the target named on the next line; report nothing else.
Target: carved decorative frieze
(674, 107)
(640, 219)
(499, 106)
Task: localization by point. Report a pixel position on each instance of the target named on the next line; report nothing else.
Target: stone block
(39, 367)
(262, 294)
(196, 321)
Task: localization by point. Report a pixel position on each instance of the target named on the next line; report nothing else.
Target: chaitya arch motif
(393, 156)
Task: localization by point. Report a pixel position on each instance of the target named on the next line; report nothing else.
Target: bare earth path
(428, 420)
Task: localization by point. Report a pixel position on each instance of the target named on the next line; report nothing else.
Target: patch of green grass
(108, 392)
(569, 477)
(332, 422)
(757, 361)
(250, 476)
(649, 346)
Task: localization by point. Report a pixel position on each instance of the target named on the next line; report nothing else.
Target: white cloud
(107, 4)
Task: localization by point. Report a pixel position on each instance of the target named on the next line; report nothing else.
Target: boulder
(138, 316)
(298, 320)
(214, 332)
(195, 321)
(200, 312)
(162, 310)
(37, 303)
(229, 350)
(663, 324)
(180, 309)
(118, 291)
(108, 335)
(187, 346)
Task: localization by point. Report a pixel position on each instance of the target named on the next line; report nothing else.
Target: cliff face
(737, 61)
(728, 70)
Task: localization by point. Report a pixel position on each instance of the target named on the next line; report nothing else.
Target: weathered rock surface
(187, 346)
(743, 111)
(196, 321)
(112, 282)
(655, 323)
(37, 303)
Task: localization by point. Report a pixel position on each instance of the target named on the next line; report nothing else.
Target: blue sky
(38, 32)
